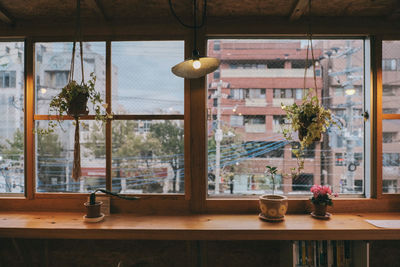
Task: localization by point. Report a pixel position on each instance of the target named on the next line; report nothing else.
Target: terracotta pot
(93, 211)
(319, 209)
(78, 106)
(273, 206)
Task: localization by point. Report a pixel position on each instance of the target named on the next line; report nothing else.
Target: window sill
(194, 227)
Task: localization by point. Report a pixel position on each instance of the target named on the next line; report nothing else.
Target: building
(255, 78)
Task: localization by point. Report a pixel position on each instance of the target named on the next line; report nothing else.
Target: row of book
(334, 253)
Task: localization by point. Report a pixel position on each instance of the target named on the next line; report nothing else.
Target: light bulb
(350, 91)
(196, 64)
(43, 90)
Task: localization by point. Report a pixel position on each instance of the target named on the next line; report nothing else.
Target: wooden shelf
(194, 227)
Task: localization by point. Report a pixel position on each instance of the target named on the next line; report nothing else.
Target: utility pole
(218, 138)
(350, 139)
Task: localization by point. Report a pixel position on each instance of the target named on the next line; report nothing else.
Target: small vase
(320, 209)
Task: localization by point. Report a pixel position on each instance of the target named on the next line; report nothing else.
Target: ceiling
(14, 11)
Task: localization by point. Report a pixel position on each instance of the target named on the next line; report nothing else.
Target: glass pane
(142, 79)
(12, 117)
(390, 156)
(55, 153)
(390, 77)
(148, 157)
(53, 63)
(245, 126)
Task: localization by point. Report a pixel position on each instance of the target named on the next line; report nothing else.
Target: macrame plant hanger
(76, 170)
(310, 46)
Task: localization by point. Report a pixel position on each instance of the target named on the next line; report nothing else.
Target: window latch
(365, 115)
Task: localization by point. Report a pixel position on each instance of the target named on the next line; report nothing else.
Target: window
(255, 93)
(12, 178)
(7, 79)
(147, 154)
(303, 183)
(216, 74)
(287, 93)
(391, 159)
(261, 134)
(389, 64)
(237, 94)
(236, 120)
(389, 137)
(142, 106)
(278, 122)
(217, 45)
(339, 159)
(389, 91)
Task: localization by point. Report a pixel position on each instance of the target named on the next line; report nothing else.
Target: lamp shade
(186, 69)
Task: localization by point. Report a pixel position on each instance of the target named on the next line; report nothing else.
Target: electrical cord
(187, 25)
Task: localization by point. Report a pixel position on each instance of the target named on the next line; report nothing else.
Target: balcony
(255, 128)
(276, 102)
(256, 102)
(265, 73)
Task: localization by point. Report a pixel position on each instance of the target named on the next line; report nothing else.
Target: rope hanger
(78, 37)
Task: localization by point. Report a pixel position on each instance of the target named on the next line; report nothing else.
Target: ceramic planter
(320, 209)
(273, 207)
(93, 211)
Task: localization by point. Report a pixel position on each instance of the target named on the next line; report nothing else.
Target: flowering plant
(322, 195)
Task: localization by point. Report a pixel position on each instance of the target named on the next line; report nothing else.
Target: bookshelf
(325, 253)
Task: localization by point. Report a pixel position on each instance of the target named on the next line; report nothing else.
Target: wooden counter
(194, 227)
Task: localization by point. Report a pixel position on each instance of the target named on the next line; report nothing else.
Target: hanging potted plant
(73, 100)
(308, 119)
(273, 207)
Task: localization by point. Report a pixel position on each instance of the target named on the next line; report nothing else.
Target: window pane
(147, 157)
(391, 156)
(390, 77)
(142, 79)
(53, 63)
(238, 152)
(55, 155)
(11, 118)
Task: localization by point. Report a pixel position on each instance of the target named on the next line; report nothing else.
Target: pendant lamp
(196, 66)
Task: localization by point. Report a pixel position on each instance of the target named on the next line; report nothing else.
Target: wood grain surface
(194, 227)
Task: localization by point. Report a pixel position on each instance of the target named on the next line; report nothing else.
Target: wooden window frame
(195, 114)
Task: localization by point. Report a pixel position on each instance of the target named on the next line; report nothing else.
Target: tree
(15, 147)
(13, 151)
(130, 150)
(49, 163)
(170, 135)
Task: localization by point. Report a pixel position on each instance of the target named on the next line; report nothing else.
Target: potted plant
(273, 207)
(93, 207)
(72, 101)
(321, 199)
(309, 120)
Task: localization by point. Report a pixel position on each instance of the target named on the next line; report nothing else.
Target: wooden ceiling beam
(299, 10)
(6, 17)
(97, 7)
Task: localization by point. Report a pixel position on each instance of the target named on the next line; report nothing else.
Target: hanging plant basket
(78, 105)
(305, 121)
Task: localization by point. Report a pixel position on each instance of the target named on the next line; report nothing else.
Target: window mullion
(376, 117)
(108, 123)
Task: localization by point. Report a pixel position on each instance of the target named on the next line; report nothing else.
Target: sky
(145, 80)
